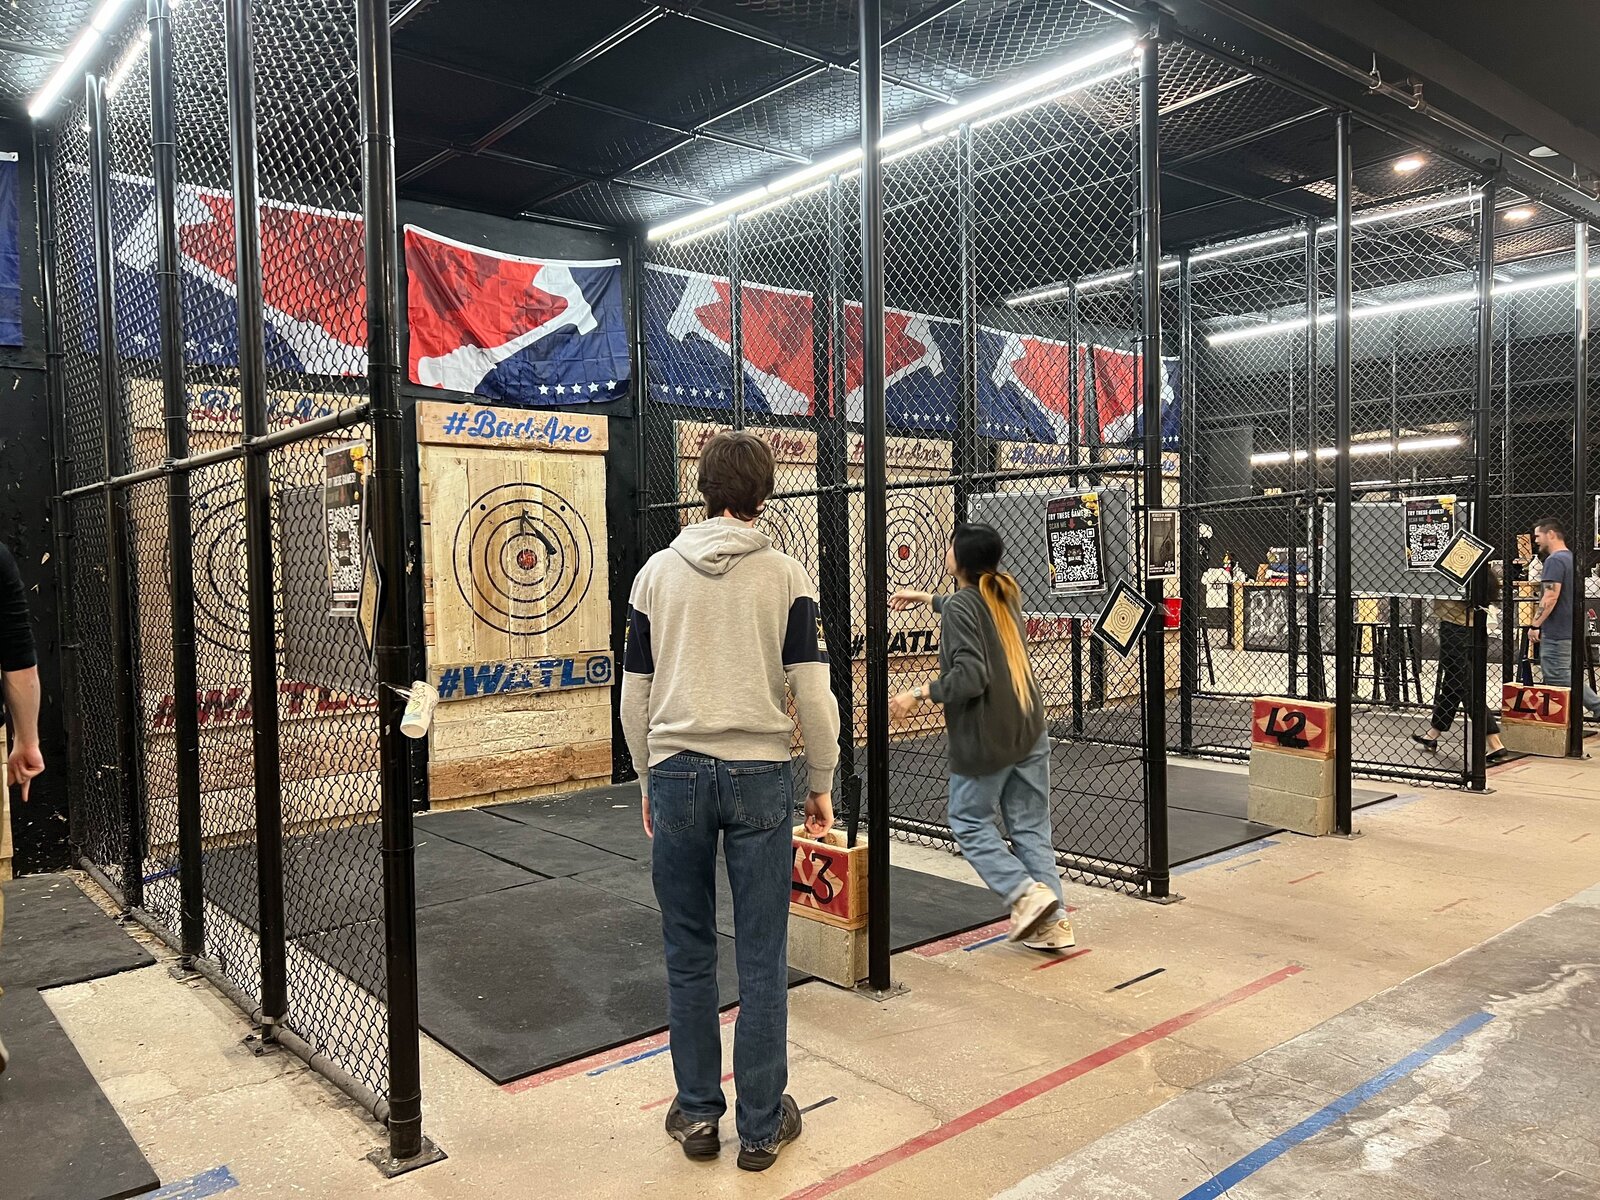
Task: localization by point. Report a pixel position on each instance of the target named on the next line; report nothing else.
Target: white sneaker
(1031, 911)
(1053, 937)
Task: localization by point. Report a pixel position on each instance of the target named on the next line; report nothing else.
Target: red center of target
(526, 559)
(904, 552)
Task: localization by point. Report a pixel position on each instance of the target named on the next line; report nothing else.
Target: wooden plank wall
(516, 605)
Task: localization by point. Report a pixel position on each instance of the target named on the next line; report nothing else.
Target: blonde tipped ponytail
(1001, 595)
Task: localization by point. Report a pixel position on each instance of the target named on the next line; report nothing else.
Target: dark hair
(978, 549)
(736, 471)
(1551, 525)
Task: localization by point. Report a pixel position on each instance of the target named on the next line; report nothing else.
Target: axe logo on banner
(313, 280)
(921, 368)
(688, 320)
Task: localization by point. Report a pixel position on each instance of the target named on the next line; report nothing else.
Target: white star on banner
(594, 387)
(611, 385)
(544, 389)
(139, 339)
(679, 389)
(216, 347)
(561, 389)
(694, 391)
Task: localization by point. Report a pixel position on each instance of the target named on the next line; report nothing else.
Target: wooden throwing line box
(828, 908)
(1291, 765)
(1534, 718)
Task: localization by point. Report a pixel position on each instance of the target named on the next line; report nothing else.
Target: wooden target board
(329, 733)
(517, 604)
(917, 526)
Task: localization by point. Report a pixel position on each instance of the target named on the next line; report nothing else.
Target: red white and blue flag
(1117, 416)
(313, 280)
(688, 322)
(921, 369)
(523, 331)
(1025, 386)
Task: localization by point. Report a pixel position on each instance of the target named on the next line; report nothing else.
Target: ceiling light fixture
(73, 62)
(932, 129)
(1274, 458)
(1521, 213)
(1410, 164)
(1542, 152)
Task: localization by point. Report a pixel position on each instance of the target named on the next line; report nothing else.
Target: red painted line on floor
(1577, 839)
(1001, 1105)
(604, 1059)
(1056, 962)
(959, 940)
(1452, 904)
(1303, 878)
(1513, 829)
(669, 1099)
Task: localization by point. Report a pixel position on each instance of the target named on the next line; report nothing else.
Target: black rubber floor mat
(56, 935)
(552, 855)
(62, 1138)
(607, 818)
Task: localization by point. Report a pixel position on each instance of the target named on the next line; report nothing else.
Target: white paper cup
(420, 704)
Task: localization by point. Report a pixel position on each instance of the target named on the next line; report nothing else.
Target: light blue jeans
(1020, 795)
(1555, 660)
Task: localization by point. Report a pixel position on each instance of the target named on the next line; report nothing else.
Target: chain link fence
(188, 458)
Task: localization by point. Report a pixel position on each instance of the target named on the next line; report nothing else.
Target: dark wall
(539, 240)
(40, 826)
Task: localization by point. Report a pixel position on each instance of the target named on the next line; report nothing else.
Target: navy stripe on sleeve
(638, 656)
(803, 640)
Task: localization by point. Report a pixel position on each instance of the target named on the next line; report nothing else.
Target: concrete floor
(996, 1071)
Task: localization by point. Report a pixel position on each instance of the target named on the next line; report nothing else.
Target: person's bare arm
(1548, 599)
(22, 702)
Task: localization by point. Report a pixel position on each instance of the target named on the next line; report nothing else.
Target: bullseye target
(221, 594)
(917, 533)
(524, 558)
(785, 526)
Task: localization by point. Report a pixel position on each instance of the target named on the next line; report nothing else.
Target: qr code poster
(1430, 522)
(1072, 532)
(344, 504)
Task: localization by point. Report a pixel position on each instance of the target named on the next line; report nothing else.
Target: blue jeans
(1555, 660)
(1020, 795)
(692, 799)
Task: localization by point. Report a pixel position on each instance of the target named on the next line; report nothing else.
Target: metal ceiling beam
(1244, 139)
(837, 62)
(10, 46)
(1234, 196)
(517, 160)
(467, 72)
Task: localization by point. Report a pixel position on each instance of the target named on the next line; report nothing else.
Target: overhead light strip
(1275, 458)
(1415, 304)
(73, 63)
(932, 129)
(1091, 283)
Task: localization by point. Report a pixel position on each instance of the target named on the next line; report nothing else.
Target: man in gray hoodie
(722, 630)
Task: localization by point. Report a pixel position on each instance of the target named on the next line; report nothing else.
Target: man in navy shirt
(1552, 622)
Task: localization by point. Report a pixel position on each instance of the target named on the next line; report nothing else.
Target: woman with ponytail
(999, 750)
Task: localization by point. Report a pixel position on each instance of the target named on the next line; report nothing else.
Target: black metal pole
(1510, 610)
(834, 556)
(395, 570)
(870, 15)
(240, 52)
(185, 702)
(964, 444)
(1155, 634)
(61, 476)
(114, 449)
(1191, 588)
(1074, 384)
(1478, 713)
(1316, 669)
(1582, 522)
(1344, 649)
(736, 319)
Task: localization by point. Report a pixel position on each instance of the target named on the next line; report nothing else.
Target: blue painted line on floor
(627, 1062)
(1247, 1166)
(999, 937)
(208, 1183)
(1222, 856)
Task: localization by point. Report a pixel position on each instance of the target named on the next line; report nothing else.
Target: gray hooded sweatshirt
(722, 630)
